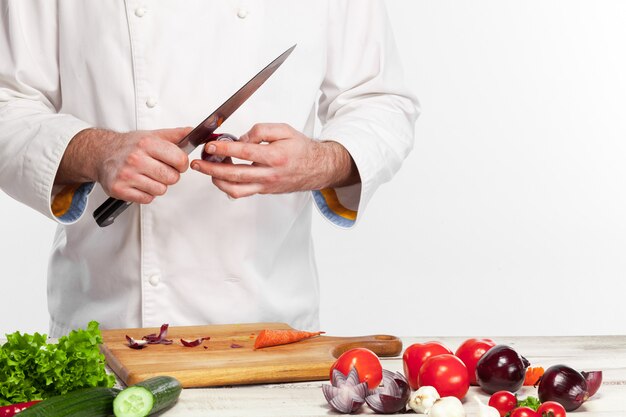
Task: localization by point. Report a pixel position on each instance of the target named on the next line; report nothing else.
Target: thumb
(173, 135)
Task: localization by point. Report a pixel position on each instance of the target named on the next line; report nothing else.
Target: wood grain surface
(216, 363)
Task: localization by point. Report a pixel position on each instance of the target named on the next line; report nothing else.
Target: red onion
(391, 396)
(216, 136)
(235, 346)
(193, 343)
(153, 338)
(501, 369)
(564, 385)
(594, 380)
(346, 394)
(136, 344)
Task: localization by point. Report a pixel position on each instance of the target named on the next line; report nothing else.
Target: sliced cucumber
(88, 402)
(147, 397)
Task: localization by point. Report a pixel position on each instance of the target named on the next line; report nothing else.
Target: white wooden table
(606, 353)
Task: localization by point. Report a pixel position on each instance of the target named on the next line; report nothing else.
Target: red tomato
(551, 409)
(366, 363)
(447, 373)
(524, 412)
(470, 351)
(415, 355)
(503, 401)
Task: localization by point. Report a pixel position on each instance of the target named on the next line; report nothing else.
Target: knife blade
(108, 211)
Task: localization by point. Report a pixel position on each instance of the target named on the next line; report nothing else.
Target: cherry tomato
(524, 412)
(551, 409)
(470, 351)
(415, 355)
(366, 363)
(503, 401)
(447, 373)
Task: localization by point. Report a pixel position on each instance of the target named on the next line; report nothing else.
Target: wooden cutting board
(216, 363)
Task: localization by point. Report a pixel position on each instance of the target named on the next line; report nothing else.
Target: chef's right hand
(141, 165)
(133, 166)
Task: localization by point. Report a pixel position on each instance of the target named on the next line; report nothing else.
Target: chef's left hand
(283, 160)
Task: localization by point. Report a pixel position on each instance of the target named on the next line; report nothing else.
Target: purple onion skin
(564, 385)
(501, 369)
(594, 380)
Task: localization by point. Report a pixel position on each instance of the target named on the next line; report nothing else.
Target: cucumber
(87, 402)
(147, 397)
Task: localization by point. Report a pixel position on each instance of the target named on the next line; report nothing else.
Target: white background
(509, 216)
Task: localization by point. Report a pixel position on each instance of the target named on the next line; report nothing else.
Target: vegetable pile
(32, 369)
(435, 381)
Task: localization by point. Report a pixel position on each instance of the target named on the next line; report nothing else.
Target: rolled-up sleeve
(33, 134)
(364, 105)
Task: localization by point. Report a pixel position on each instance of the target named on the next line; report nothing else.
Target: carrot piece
(267, 338)
(532, 375)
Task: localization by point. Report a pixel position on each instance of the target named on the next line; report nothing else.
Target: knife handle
(109, 210)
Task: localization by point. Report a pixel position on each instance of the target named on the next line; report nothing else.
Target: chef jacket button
(242, 13)
(140, 11)
(154, 280)
(151, 102)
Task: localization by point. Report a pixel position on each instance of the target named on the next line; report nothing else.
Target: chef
(94, 97)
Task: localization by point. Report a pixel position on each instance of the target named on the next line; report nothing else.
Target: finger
(174, 135)
(160, 172)
(134, 195)
(245, 151)
(147, 185)
(239, 173)
(138, 189)
(169, 154)
(236, 190)
(267, 132)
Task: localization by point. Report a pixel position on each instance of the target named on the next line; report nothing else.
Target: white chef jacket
(194, 256)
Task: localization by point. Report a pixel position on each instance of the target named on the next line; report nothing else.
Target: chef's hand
(134, 166)
(283, 160)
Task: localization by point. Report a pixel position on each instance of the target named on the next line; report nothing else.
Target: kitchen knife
(108, 211)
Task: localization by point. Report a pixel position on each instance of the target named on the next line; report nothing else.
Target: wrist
(342, 169)
(80, 159)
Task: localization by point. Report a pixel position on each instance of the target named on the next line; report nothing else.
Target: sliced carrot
(532, 375)
(268, 338)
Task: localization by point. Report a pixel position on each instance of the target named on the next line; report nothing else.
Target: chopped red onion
(136, 344)
(154, 339)
(193, 343)
(235, 346)
(391, 396)
(346, 394)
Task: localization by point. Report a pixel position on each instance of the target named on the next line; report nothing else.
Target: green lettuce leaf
(530, 402)
(32, 369)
